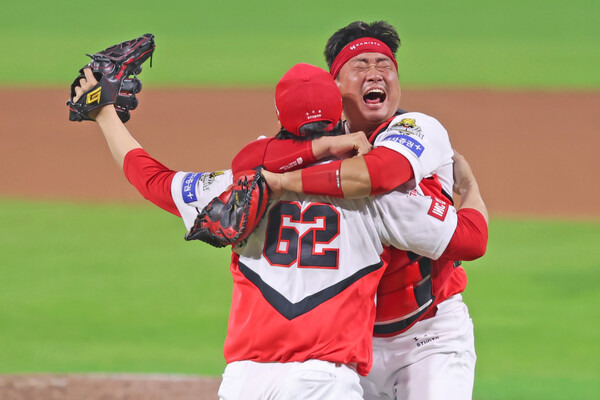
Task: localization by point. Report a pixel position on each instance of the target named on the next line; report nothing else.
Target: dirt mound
(107, 387)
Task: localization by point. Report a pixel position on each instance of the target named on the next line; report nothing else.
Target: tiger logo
(408, 126)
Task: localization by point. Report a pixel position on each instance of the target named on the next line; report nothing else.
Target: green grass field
(108, 288)
(113, 288)
(509, 43)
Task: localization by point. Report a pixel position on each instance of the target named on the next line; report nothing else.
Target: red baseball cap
(307, 93)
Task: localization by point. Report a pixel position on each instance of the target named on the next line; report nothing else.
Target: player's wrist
(292, 181)
(274, 182)
(323, 179)
(321, 147)
(104, 113)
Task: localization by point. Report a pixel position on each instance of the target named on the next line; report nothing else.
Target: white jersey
(305, 280)
(192, 191)
(424, 142)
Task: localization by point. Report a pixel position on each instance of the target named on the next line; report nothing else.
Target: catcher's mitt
(231, 217)
(113, 68)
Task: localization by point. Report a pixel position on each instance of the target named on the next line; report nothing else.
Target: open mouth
(374, 96)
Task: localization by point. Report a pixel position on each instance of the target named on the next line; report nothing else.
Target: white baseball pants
(309, 380)
(433, 360)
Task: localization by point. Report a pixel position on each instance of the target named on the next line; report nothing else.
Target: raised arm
(470, 238)
(117, 136)
(151, 178)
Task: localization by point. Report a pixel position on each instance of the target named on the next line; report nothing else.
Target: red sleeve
(388, 169)
(470, 238)
(275, 155)
(150, 178)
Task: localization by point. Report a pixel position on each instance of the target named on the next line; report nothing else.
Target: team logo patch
(438, 209)
(208, 178)
(408, 126)
(409, 142)
(188, 189)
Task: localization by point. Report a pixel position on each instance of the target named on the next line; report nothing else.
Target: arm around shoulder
(470, 238)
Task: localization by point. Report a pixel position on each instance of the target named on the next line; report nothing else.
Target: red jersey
(304, 283)
(412, 286)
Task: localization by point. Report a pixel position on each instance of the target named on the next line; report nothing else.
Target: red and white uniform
(423, 341)
(312, 258)
(413, 288)
(424, 142)
(406, 293)
(287, 290)
(305, 280)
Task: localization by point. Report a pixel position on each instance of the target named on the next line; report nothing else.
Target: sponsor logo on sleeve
(409, 142)
(298, 161)
(438, 209)
(188, 188)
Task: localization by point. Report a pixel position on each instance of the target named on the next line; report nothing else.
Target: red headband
(359, 46)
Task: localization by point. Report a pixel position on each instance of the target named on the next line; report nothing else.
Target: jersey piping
(292, 310)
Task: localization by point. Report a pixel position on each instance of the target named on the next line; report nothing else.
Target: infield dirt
(534, 154)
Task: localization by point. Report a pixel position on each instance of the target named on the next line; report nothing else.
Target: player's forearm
(274, 155)
(117, 136)
(465, 185)
(355, 178)
(348, 179)
(291, 181)
(377, 172)
(341, 146)
(469, 241)
(321, 147)
(470, 197)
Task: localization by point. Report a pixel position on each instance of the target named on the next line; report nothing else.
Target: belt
(393, 328)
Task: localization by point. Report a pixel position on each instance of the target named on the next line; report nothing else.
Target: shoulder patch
(438, 209)
(188, 187)
(407, 141)
(208, 178)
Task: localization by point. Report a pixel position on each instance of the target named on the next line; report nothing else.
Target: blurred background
(94, 279)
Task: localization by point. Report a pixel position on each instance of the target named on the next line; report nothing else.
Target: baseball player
(308, 259)
(270, 144)
(418, 298)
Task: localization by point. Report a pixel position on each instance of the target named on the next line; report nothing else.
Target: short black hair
(379, 30)
(312, 130)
